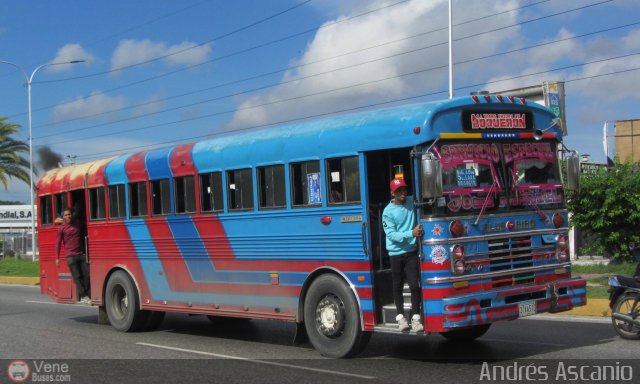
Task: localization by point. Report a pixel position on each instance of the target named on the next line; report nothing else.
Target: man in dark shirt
(71, 233)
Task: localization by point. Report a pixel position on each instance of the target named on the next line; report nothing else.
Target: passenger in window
(335, 196)
(71, 233)
(398, 220)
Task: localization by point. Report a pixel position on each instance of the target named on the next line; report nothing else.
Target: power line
(119, 151)
(322, 73)
(279, 70)
(215, 59)
(224, 35)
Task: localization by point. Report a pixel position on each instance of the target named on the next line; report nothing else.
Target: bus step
(389, 313)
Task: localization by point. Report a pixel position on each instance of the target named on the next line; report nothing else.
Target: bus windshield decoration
(286, 223)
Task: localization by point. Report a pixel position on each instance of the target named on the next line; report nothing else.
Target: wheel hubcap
(330, 316)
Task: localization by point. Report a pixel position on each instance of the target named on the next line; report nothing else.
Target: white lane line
(523, 342)
(569, 318)
(324, 371)
(51, 303)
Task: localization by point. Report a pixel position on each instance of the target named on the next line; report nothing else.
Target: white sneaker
(85, 300)
(415, 324)
(403, 325)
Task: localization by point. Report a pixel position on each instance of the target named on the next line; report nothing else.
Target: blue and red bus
(284, 223)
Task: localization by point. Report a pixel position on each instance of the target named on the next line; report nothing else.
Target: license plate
(527, 309)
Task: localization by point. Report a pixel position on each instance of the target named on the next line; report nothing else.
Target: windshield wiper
(494, 187)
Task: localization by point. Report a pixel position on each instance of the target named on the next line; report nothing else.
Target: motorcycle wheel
(627, 305)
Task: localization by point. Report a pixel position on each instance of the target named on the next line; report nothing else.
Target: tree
(12, 164)
(608, 207)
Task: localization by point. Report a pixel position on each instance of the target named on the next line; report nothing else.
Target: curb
(19, 280)
(594, 307)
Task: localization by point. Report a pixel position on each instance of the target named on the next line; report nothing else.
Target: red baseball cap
(397, 183)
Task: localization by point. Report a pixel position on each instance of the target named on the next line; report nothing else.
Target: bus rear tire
(467, 334)
(123, 304)
(332, 318)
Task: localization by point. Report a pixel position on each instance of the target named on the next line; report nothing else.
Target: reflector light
(456, 228)
(475, 99)
(416, 130)
(558, 220)
(325, 220)
(488, 98)
(499, 97)
(511, 99)
(510, 225)
(523, 100)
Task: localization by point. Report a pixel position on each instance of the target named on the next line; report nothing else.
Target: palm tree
(12, 164)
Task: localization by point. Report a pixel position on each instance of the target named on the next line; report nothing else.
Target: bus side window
(185, 194)
(160, 197)
(138, 199)
(46, 210)
(60, 203)
(343, 180)
(211, 192)
(301, 173)
(117, 202)
(97, 204)
(240, 190)
(272, 187)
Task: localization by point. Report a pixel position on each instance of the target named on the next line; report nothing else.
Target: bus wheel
(332, 318)
(467, 334)
(123, 305)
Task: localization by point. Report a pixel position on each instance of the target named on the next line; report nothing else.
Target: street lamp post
(29, 80)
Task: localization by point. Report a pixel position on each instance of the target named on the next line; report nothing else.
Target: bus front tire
(332, 319)
(123, 304)
(467, 334)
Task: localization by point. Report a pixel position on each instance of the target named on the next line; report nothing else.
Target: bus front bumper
(512, 303)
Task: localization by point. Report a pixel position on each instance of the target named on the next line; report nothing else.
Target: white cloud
(91, 105)
(70, 52)
(130, 52)
(397, 23)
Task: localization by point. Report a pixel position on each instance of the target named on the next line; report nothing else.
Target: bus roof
(339, 135)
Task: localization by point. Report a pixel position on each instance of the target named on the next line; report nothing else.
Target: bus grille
(507, 254)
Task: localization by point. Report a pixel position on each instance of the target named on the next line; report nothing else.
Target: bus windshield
(494, 177)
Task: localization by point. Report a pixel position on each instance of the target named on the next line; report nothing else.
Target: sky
(159, 73)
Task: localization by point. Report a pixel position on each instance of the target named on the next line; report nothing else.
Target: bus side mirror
(573, 172)
(431, 177)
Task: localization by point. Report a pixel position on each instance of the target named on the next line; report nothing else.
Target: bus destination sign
(480, 121)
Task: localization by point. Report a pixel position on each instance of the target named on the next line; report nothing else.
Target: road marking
(524, 342)
(257, 361)
(568, 318)
(48, 302)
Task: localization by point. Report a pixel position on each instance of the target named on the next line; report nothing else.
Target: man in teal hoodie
(398, 220)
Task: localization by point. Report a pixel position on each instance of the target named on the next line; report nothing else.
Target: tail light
(457, 255)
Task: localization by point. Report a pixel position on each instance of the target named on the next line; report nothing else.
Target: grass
(597, 276)
(19, 267)
(605, 269)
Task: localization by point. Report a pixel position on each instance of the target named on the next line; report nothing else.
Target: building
(627, 140)
(15, 231)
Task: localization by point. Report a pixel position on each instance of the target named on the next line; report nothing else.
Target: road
(192, 349)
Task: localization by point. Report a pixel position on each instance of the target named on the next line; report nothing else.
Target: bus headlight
(562, 248)
(457, 257)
